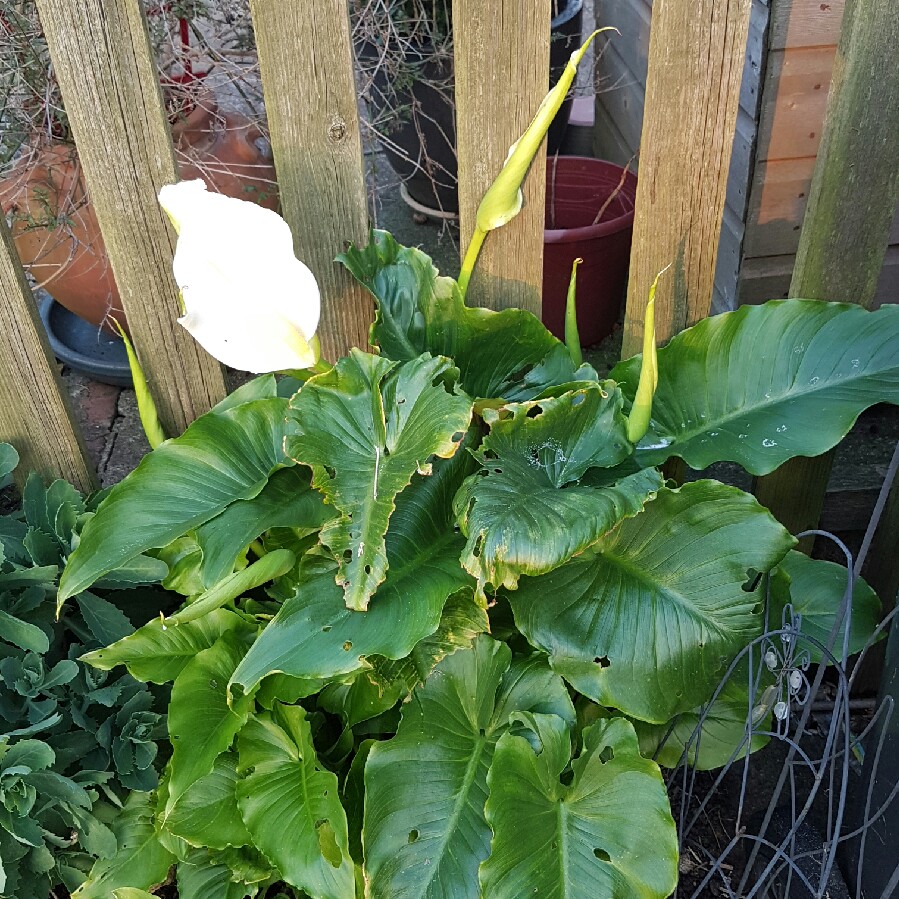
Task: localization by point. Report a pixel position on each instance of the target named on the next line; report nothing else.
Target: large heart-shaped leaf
(647, 620)
(206, 814)
(766, 383)
(708, 737)
(291, 805)
(141, 861)
(815, 592)
(607, 834)
(424, 829)
(366, 427)
(202, 721)
(524, 512)
(222, 457)
(286, 501)
(314, 634)
(380, 686)
(506, 354)
(158, 652)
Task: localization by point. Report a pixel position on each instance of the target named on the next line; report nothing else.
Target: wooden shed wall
(802, 42)
(789, 61)
(622, 67)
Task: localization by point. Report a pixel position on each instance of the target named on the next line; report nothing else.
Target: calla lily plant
(444, 617)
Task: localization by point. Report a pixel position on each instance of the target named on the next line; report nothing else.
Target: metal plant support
(795, 830)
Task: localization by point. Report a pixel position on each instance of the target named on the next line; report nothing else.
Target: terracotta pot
(56, 231)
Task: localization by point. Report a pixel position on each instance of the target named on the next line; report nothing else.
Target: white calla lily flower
(247, 299)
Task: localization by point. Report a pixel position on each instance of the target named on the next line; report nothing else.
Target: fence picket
(502, 73)
(696, 54)
(102, 60)
(306, 62)
(35, 415)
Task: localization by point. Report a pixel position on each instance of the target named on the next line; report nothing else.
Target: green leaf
(9, 459)
(287, 500)
(384, 423)
(232, 587)
(202, 724)
(107, 622)
(380, 687)
(201, 877)
(158, 653)
(291, 805)
(23, 634)
(525, 511)
(648, 619)
(314, 635)
(141, 861)
(723, 738)
(607, 834)
(816, 593)
(206, 814)
(506, 354)
(131, 893)
(424, 828)
(766, 383)
(182, 484)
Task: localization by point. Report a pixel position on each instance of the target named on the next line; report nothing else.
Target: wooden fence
(102, 58)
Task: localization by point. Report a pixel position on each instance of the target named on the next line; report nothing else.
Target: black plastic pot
(417, 121)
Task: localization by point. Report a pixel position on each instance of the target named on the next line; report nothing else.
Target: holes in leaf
(413, 836)
(566, 777)
(602, 855)
(347, 555)
(368, 569)
(326, 628)
(606, 754)
(482, 732)
(489, 455)
(578, 399)
(400, 400)
(602, 661)
(753, 579)
(348, 646)
(331, 472)
(458, 436)
(497, 471)
(535, 410)
(476, 550)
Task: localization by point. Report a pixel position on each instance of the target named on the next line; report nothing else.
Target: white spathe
(248, 300)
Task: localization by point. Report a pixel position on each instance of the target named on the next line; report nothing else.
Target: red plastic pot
(577, 187)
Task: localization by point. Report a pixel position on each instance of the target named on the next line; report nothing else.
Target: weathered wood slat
(805, 23)
(850, 210)
(35, 416)
(305, 57)
(696, 58)
(502, 74)
(102, 59)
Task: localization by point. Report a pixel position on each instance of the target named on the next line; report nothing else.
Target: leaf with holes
(815, 592)
(605, 833)
(224, 456)
(525, 511)
(384, 422)
(424, 829)
(506, 354)
(647, 620)
(766, 383)
(314, 635)
(708, 737)
(291, 805)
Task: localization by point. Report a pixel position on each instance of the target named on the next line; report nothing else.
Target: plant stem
(471, 257)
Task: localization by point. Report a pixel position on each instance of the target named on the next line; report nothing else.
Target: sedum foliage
(74, 740)
(440, 610)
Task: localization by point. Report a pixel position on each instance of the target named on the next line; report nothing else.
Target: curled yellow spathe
(503, 200)
(641, 411)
